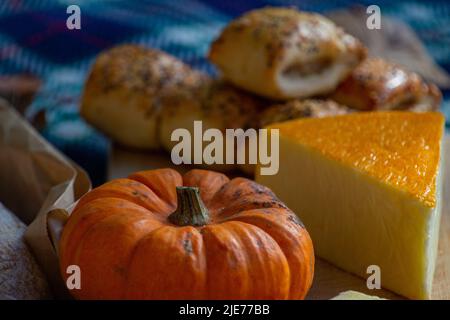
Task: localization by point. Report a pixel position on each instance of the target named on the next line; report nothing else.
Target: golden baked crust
(283, 53)
(121, 94)
(217, 104)
(293, 109)
(379, 85)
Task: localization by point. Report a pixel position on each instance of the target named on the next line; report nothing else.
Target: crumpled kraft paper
(40, 185)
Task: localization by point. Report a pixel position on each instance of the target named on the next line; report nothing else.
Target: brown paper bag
(40, 185)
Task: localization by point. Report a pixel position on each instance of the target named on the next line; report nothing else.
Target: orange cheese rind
(401, 149)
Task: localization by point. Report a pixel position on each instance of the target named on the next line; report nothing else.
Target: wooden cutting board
(329, 281)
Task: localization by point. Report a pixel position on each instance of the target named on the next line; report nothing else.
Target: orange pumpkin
(160, 235)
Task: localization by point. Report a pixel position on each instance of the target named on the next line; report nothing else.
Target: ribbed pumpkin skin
(253, 246)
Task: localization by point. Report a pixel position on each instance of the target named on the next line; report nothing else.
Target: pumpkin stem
(190, 208)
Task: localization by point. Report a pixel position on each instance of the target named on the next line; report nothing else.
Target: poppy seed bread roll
(380, 85)
(282, 53)
(216, 104)
(121, 94)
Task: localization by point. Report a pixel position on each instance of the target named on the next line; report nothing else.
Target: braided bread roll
(217, 105)
(380, 85)
(139, 96)
(282, 53)
(121, 95)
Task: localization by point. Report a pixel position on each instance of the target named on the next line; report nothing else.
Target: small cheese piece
(355, 295)
(367, 186)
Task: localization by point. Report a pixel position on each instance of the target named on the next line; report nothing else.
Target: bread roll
(379, 85)
(138, 96)
(215, 103)
(282, 53)
(121, 94)
(20, 276)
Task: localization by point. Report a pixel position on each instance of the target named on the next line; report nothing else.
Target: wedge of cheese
(367, 186)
